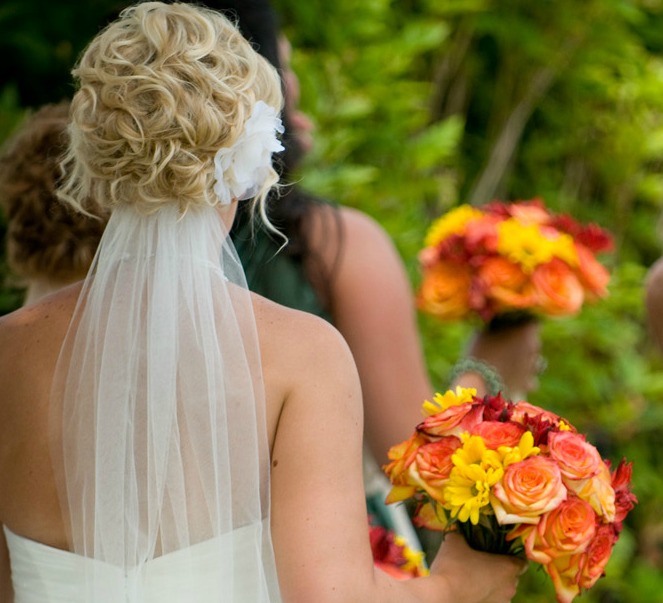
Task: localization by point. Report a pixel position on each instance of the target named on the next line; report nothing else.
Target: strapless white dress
(43, 574)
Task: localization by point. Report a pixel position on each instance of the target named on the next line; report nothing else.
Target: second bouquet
(503, 258)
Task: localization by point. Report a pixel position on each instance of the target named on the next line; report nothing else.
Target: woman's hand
(476, 577)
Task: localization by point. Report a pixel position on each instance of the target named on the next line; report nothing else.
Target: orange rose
(505, 284)
(433, 465)
(593, 275)
(528, 489)
(530, 212)
(577, 458)
(498, 433)
(557, 289)
(452, 421)
(402, 456)
(597, 491)
(571, 573)
(566, 530)
(597, 555)
(565, 574)
(444, 291)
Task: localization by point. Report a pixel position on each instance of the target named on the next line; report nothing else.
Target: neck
(41, 287)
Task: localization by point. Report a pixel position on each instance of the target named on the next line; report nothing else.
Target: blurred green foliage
(420, 105)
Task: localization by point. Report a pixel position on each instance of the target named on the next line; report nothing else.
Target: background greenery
(420, 105)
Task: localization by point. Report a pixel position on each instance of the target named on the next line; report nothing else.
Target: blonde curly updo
(160, 91)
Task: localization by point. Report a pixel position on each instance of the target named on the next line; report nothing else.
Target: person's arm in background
(372, 305)
(514, 352)
(654, 302)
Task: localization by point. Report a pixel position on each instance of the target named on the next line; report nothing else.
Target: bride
(164, 434)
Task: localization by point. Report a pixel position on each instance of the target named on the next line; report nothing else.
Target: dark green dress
(271, 272)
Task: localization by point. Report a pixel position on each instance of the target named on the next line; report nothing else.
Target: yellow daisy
(453, 222)
(528, 246)
(450, 398)
(523, 450)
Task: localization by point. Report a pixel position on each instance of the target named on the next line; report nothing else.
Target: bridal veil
(158, 409)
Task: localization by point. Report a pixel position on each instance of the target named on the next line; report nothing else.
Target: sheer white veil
(158, 417)
(160, 390)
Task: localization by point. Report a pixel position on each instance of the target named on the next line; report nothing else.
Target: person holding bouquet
(336, 257)
(334, 260)
(159, 438)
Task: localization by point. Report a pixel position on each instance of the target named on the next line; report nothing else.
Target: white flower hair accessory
(241, 169)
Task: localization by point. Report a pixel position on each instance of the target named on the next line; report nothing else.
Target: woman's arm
(319, 523)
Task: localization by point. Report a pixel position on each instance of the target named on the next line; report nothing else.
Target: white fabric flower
(241, 169)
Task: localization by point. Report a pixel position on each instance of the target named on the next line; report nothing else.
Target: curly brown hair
(44, 237)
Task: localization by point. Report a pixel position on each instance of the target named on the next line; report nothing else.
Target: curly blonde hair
(160, 91)
(44, 239)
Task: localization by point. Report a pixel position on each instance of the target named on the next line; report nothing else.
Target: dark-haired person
(340, 264)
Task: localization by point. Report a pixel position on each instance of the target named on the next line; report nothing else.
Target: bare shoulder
(35, 331)
(339, 230)
(303, 357)
(286, 333)
(361, 224)
(357, 257)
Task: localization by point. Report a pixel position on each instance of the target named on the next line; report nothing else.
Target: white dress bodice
(43, 574)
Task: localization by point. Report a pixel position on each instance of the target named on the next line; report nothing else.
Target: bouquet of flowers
(514, 479)
(392, 554)
(506, 257)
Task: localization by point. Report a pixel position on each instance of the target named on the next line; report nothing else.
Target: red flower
(499, 433)
(497, 408)
(625, 500)
(591, 236)
(393, 556)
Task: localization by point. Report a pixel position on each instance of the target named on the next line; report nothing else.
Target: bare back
(314, 419)
(30, 342)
